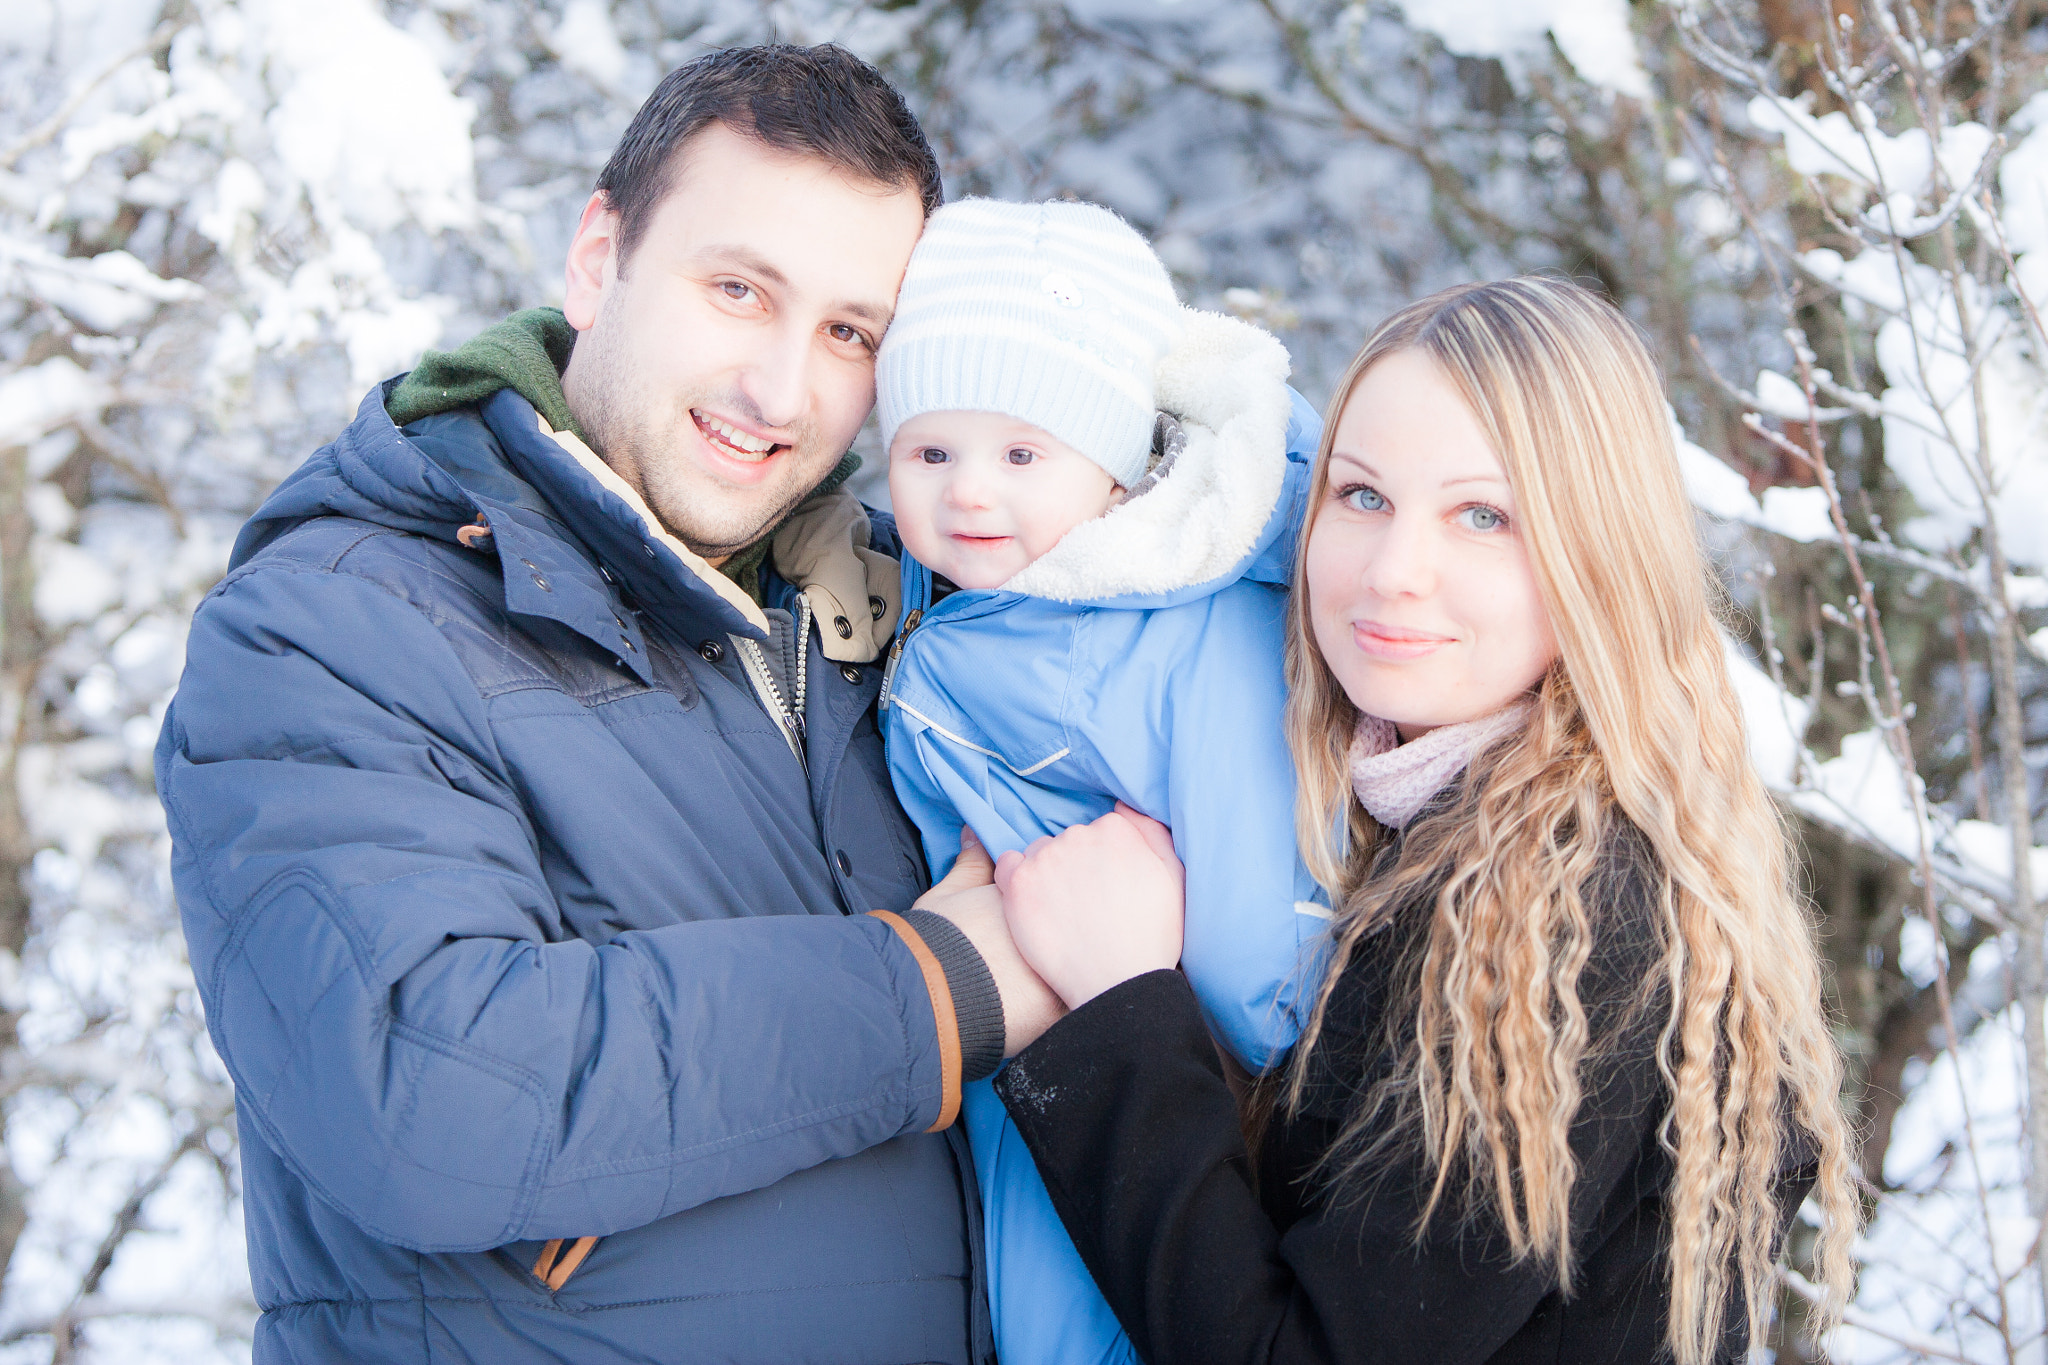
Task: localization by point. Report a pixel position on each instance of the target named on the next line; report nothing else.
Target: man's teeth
(738, 440)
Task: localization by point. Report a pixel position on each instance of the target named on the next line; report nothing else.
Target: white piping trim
(1314, 911)
(931, 724)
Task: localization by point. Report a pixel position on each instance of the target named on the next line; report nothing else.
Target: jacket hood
(370, 472)
(1227, 501)
(544, 495)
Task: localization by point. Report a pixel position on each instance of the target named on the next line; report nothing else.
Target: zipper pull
(910, 623)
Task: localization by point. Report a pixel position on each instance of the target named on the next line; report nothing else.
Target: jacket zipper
(910, 623)
(791, 717)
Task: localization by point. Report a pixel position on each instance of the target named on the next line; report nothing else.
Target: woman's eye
(1021, 456)
(1362, 499)
(736, 291)
(932, 455)
(1484, 518)
(841, 332)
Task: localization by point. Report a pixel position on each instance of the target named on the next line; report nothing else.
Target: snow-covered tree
(221, 221)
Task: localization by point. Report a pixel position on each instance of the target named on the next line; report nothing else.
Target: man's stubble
(643, 435)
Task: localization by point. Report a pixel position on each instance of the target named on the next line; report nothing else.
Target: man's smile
(730, 440)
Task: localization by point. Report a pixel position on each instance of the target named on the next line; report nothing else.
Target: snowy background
(221, 221)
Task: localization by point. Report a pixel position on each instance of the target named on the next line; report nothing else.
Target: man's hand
(1098, 905)
(967, 896)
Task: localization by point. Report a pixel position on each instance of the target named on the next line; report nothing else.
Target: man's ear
(592, 263)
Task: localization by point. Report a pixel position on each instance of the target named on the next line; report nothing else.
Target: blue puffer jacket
(1138, 660)
(517, 919)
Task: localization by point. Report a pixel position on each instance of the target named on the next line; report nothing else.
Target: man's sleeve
(387, 979)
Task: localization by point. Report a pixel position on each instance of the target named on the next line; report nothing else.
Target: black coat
(1126, 1110)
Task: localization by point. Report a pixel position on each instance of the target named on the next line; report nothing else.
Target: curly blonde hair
(1637, 719)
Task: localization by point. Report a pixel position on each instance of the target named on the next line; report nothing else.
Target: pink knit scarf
(1395, 780)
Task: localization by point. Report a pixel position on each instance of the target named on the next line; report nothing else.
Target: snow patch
(1594, 36)
(588, 44)
(1773, 719)
(43, 397)
(366, 118)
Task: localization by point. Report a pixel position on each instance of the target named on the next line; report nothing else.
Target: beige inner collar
(694, 562)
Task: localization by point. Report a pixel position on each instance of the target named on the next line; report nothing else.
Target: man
(528, 807)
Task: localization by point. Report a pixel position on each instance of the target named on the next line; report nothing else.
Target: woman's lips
(1393, 642)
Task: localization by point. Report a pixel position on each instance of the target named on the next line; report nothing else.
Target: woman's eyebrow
(1346, 457)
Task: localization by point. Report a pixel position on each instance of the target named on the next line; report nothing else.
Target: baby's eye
(1481, 517)
(1021, 456)
(1361, 498)
(932, 455)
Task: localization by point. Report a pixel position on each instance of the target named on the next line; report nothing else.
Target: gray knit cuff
(977, 1005)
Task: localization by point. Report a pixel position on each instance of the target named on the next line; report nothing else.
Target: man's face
(726, 368)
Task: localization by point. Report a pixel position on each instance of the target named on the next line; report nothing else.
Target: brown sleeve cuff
(942, 1015)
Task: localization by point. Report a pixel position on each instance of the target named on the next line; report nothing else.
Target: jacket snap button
(845, 863)
(529, 564)
(876, 606)
(630, 647)
(850, 672)
(712, 651)
(843, 626)
(541, 583)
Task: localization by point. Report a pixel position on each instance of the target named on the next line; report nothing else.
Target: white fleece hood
(1226, 382)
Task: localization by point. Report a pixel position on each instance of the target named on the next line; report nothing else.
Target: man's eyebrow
(877, 313)
(745, 258)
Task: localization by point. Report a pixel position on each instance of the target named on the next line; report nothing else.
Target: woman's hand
(967, 896)
(1097, 905)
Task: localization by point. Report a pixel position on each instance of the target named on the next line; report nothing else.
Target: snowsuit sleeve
(1193, 739)
(387, 978)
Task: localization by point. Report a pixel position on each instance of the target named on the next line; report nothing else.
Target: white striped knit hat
(1055, 314)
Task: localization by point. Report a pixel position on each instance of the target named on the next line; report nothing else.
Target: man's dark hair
(817, 101)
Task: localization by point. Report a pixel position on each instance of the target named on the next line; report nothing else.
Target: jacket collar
(604, 513)
(566, 544)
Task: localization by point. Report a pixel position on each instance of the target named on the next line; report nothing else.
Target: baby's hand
(971, 869)
(1097, 905)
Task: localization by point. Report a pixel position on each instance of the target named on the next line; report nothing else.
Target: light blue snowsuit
(1139, 660)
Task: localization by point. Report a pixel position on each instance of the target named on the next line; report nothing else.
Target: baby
(1097, 490)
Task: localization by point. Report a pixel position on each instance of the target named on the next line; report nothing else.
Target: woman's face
(1421, 593)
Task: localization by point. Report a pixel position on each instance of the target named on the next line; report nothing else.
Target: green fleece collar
(527, 353)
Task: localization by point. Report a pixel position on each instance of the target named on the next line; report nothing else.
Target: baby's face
(979, 495)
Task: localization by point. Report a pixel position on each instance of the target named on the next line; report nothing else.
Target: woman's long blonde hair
(1638, 719)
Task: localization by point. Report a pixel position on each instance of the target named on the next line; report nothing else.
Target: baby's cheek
(912, 509)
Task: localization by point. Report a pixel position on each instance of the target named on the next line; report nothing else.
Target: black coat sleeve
(1124, 1108)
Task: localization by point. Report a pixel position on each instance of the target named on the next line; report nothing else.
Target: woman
(1569, 1075)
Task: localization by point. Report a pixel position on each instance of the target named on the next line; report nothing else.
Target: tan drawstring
(559, 1274)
